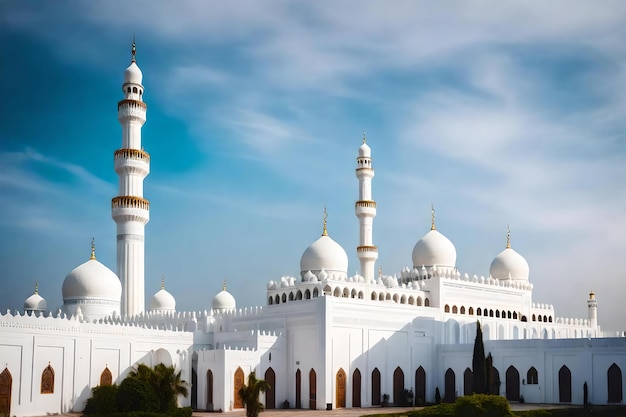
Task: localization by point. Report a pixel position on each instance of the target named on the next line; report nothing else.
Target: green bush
(135, 395)
(181, 412)
(481, 405)
(103, 400)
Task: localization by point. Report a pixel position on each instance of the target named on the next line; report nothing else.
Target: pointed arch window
(47, 380)
(106, 377)
(532, 377)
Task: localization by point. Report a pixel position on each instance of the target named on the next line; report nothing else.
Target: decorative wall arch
(340, 389)
(307, 294)
(375, 387)
(373, 297)
(426, 302)
(337, 292)
(353, 293)
(299, 295)
(446, 308)
(396, 298)
(468, 382)
(419, 301)
(270, 392)
(270, 300)
(420, 386)
(209, 390)
(614, 384)
(291, 296)
(565, 385)
(462, 310)
(283, 298)
(455, 309)
(471, 311)
(312, 389)
(316, 292)
(512, 384)
(450, 384)
(106, 377)
(47, 380)
(356, 388)
(361, 295)
(398, 385)
(238, 384)
(6, 384)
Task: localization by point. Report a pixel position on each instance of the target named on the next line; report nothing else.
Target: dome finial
(325, 232)
(432, 217)
(380, 271)
(508, 237)
(134, 50)
(224, 285)
(162, 281)
(364, 137)
(93, 249)
(36, 287)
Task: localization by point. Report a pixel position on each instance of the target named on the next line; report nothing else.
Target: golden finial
(36, 287)
(432, 217)
(380, 271)
(364, 137)
(508, 237)
(134, 50)
(592, 295)
(162, 281)
(224, 285)
(93, 249)
(325, 232)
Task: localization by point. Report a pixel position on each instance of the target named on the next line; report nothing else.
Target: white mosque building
(323, 340)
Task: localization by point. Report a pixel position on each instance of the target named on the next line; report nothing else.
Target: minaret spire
(325, 231)
(365, 209)
(162, 281)
(130, 210)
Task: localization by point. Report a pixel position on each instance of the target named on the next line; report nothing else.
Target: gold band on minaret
(432, 218)
(93, 249)
(508, 237)
(325, 232)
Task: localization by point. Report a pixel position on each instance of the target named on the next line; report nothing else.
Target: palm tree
(164, 381)
(249, 394)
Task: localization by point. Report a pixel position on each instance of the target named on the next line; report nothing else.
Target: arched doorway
(398, 386)
(420, 386)
(298, 389)
(239, 381)
(194, 389)
(356, 388)
(614, 384)
(494, 381)
(512, 384)
(565, 385)
(270, 392)
(6, 382)
(209, 390)
(450, 383)
(468, 381)
(375, 387)
(340, 389)
(312, 390)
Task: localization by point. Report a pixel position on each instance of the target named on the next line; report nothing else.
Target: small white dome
(92, 280)
(324, 254)
(35, 303)
(434, 249)
(163, 301)
(365, 151)
(223, 301)
(509, 265)
(133, 74)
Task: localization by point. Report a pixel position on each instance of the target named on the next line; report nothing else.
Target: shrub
(481, 405)
(103, 400)
(181, 412)
(135, 395)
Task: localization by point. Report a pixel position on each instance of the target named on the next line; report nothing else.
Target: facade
(323, 339)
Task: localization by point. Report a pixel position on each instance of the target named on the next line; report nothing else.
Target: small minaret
(365, 211)
(592, 310)
(129, 209)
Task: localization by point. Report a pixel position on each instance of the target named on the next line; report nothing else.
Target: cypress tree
(479, 368)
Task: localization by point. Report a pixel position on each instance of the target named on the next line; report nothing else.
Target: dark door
(420, 386)
(450, 386)
(209, 390)
(270, 396)
(565, 385)
(375, 387)
(398, 386)
(468, 381)
(614, 376)
(512, 384)
(298, 389)
(356, 388)
(312, 390)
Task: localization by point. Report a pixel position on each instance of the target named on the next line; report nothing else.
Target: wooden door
(340, 391)
(270, 393)
(239, 382)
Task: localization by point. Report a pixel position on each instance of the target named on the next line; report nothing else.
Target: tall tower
(365, 209)
(129, 209)
(592, 310)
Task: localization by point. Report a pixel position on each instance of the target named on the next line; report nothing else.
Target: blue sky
(496, 113)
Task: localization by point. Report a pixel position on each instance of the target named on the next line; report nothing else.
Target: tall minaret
(592, 310)
(366, 211)
(129, 209)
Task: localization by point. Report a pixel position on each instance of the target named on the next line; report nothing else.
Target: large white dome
(509, 265)
(92, 281)
(163, 301)
(223, 301)
(434, 249)
(324, 254)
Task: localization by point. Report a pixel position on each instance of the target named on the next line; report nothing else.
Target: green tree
(479, 365)
(164, 381)
(249, 395)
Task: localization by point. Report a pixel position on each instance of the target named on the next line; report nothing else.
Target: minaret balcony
(365, 208)
(130, 208)
(132, 161)
(367, 252)
(131, 110)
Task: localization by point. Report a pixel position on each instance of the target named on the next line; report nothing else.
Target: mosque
(323, 340)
